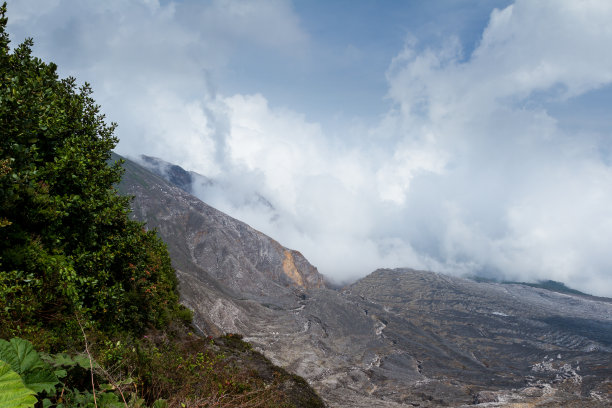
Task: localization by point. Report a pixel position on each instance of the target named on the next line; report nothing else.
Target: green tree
(67, 245)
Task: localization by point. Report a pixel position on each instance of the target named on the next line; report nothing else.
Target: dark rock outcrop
(176, 175)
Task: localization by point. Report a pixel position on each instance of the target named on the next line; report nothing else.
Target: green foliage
(23, 373)
(72, 262)
(85, 399)
(73, 370)
(195, 372)
(64, 360)
(41, 380)
(68, 246)
(13, 393)
(235, 341)
(149, 372)
(20, 354)
(26, 362)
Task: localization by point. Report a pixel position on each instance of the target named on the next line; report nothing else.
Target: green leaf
(136, 402)
(25, 361)
(106, 387)
(65, 360)
(20, 354)
(108, 399)
(41, 380)
(60, 373)
(58, 360)
(83, 361)
(160, 403)
(13, 393)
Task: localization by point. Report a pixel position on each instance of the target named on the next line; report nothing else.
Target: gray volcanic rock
(486, 336)
(171, 172)
(204, 187)
(396, 337)
(229, 251)
(414, 338)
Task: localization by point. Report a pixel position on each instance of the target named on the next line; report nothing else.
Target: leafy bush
(57, 381)
(68, 245)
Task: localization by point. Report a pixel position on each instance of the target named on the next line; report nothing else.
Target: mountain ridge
(187, 180)
(394, 338)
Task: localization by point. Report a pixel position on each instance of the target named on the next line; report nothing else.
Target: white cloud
(521, 195)
(279, 143)
(534, 46)
(469, 172)
(153, 66)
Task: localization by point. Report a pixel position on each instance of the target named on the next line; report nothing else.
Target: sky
(464, 137)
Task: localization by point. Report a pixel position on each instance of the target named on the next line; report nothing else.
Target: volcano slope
(394, 338)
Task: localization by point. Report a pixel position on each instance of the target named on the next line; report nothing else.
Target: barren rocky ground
(394, 338)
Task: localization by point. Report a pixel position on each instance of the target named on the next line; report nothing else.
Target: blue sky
(342, 70)
(466, 137)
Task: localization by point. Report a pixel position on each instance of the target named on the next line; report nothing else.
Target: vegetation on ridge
(89, 310)
(68, 245)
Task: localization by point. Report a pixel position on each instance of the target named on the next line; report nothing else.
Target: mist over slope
(397, 337)
(244, 201)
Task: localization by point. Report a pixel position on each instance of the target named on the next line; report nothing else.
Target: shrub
(68, 245)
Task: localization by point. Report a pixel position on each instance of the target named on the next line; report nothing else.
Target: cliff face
(231, 252)
(394, 338)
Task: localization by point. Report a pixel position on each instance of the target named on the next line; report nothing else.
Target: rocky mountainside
(207, 188)
(227, 257)
(394, 338)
